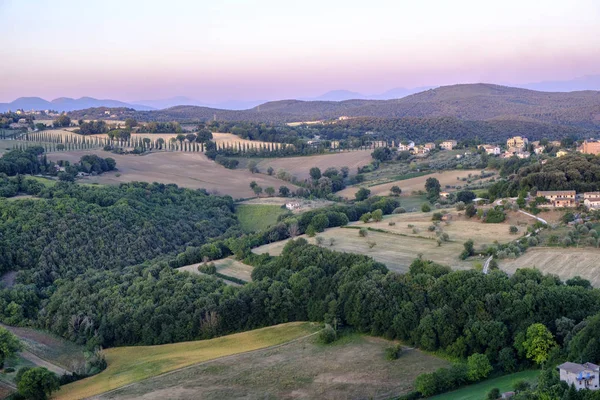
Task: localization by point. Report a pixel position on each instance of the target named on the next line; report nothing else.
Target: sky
(221, 50)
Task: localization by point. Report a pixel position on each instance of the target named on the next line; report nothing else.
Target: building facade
(589, 147)
(517, 141)
(582, 376)
(448, 144)
(558, 198)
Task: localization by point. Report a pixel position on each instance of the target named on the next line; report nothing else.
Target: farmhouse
(405, 147)
(491, 150)
(292, 206)
(592, 202)
(539, 149)
(517, 141)
(589, 147)
(448, 144)
(582, 376)
(558, 198)
(522, 154)
(429, 146)
(591, 195)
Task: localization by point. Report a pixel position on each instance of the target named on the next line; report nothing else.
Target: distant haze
(242, 53)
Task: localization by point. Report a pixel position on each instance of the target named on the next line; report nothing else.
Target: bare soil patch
(191, 170)
(353, 368)
(564, 262)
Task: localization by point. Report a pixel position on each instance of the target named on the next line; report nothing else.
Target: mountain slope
(66, 104)
(475, 102)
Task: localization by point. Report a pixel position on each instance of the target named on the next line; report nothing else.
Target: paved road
(543, 221)
(486, 266)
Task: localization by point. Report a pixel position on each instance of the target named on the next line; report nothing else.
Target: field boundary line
(202, 363)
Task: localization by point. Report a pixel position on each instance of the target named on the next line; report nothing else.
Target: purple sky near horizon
(268, 49)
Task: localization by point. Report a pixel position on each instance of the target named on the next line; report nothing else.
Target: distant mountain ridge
(66, 104)
(476, 102)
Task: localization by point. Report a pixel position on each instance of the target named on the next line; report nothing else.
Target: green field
(479, 391)
(255, 217)
(132, 364)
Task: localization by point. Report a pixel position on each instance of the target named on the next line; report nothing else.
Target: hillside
(475, 102)
(65, 104)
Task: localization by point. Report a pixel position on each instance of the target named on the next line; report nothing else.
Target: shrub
(437, 216)
(209, 269)
(372, 244)
(391, 223)
(327, 335)
(470, 210)
(320, 240)
(331, 241)
(425, 207)
(377, 215)
(513, 229)
(320, 222)
(365, 217)
(495, 216)
(399, 210)
(9, 370)
(363, 232)
(460, 206)
(311, 231)
(493, 394)
(431, 228)
(393, 353)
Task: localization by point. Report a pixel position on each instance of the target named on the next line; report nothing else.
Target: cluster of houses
(569, 198)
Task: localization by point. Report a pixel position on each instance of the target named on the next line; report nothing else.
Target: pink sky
(267, 49)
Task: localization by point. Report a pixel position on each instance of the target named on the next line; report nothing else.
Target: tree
(366, 217)
(538, 342)
(61, 121)
(38, 383)
(425, 207)
(204, 135)
(315, 173)
(382, 154)
(257, 190)
(253, 184)
(284, 191)
(130, 123)
(433, 189)
(470, 210)
(493, 394)
(319, 222)
(362, 194)
(9, 345)
(270, 170)
(270, 191)
(253, 166)
(160, 142)
(468, 251)
(180, 138)
(190, 137)
(377, 215)
(466, 196)
(478, 367)
(395, 190)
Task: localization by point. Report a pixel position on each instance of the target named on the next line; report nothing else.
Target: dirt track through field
(191, 170)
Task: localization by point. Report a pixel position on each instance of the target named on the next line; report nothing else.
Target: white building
(582, 376)
(592, 202)
(492, 150)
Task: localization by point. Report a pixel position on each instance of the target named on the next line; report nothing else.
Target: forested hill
(478, 102)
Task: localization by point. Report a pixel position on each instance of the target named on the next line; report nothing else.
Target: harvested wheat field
(395, 251)
(303, 204)
(226, 266)
(191, 170)
(300, 166)
(413, 184)
(459, 228)
(354, 367)
(564, 262)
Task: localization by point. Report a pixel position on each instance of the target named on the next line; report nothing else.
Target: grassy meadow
(132, 364)
(353, 367)
(255, 217)
(479, 391)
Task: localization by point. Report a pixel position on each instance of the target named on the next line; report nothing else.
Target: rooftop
(577, 368)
